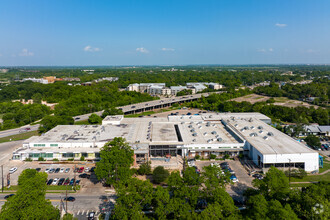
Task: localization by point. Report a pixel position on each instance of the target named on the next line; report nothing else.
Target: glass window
(30, 155)
(36, 155)
(69, 154)
(49, 155)
(43, 155)
(98, 155)
(84, 154)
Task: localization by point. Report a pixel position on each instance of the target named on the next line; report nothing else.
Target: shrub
(160, 174)
(271, 100)
(71, 159)
(55, 159)
(213, 156)
(28, 159)
(134, 171)
(41, 159)
(226, 156)
(145, 169)
(82, 158)
(197, 157)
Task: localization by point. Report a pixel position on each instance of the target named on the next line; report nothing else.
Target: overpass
(161, 103)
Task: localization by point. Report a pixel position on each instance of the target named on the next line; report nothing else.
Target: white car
(87, 170)
(55, 181)
(12, 170)
(62, 170)
(47, 170)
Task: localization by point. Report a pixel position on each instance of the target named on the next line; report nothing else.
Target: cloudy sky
(150, 32)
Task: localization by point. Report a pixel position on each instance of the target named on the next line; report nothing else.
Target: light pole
(289, 171)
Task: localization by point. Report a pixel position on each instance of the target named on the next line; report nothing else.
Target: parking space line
(78, 212)
(83, 212)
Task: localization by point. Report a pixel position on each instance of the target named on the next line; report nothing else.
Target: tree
(49, 122)
(144, 169)
(159, 174)
(116, 160)
(313, 141)
(94, 119)
(29, 201)
(111, 111)
(191, 177)
(275, 185)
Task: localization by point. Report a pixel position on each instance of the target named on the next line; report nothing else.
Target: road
(18, 130)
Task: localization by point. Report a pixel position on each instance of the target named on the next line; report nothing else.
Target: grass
(313, 178)
(18, 137)
(301, 185)
(326, 166)
(84, 122)
(281, 99)
(51, 187)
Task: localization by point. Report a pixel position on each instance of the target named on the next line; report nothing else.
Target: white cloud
(261, 50)
(142, 50)
(312, 51)
(26, 53)
(168, 49)
(271, 49)
(91, 49)
(0, 55)
(280, 25)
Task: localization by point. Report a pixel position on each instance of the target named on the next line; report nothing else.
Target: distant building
(110, 79)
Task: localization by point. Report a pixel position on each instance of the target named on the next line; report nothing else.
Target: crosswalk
(80, 214)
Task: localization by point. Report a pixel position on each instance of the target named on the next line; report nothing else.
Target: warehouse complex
(184, 135)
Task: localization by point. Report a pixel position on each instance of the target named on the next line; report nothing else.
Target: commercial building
(184, 135)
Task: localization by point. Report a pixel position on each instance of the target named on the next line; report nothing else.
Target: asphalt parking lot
(21, 165)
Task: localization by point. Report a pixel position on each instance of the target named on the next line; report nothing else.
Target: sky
(163, 32)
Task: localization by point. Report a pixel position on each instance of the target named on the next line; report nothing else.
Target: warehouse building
(183, 135)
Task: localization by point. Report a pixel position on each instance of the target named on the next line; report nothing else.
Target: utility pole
(289, 172)
(2, 177)
(66, 200)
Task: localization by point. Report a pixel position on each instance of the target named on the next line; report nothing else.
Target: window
(36, 155)
(84, 154)
(39, 145)
(43, 155)
(49, 155)
(54, 145)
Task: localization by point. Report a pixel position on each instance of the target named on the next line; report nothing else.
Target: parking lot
(56, 170)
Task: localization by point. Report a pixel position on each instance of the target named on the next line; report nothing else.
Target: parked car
(234, 178)
(67, 181)
(87, 170)
(38, 169)
(57, 170)
(258, 176)
(47, 170)
(83, 175)
(52, 170)
(70, 199)
(61, 181)
(224, 165)
(72, 182)
(77, 182)
(76, 170)
(92, 169)
(81, 169)
(50, 181)
(62, 170)
(67, 170)
(91, 216)
(12, 170)
(55, 181)
(8, 196)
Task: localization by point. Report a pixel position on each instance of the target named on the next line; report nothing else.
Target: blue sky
(163, 32)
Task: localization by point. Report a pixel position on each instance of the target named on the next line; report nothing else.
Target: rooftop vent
(209, 141)
(261, 131)
(192, 130)
(236, 125)
(265, 137)
(194, 140)
(260, 127)
(252, 127)
(219, 139)
(205, 133)
(270, 134)
(253, 134)
(213, 132)
(194, 134)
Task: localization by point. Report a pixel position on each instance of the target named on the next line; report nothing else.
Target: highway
(127, 109)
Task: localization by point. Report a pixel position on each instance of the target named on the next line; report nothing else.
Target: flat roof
(265, 138)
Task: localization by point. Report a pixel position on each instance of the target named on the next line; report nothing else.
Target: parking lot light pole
(2, 177)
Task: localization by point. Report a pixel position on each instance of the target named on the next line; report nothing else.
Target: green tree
(275, 185)
(50, 122)
(144, 169)
(159, 174)
(94, 119)
(29, 201)
(116, 160)
(191, 177)
(313, 141)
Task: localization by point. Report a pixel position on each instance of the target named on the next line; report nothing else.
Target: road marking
(82, 212)
(78, 212)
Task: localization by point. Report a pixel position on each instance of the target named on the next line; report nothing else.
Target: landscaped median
(49, 189)
(18, 137)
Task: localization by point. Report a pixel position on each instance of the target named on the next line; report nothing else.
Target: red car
(81, 169)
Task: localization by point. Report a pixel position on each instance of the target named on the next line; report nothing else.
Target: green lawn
(140, 114)
(84, 122)
(51, 187)
(326, 166)
(18, 137)
(281, 99)
(313, 178)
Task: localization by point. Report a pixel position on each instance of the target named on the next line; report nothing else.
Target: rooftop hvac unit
(205, 133)
(209, 141)
(236, 125)
(260, 127)
(253, 134)
(182, 122)
(219, 139)
(261, 131)
(270, 134)
(189, 126)
(194, 140)
(252, 127)
(213, 132)
(200, 127)
(246, 128)
(194, 134)
(265, 137)
(192, 130)
(217, 136)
